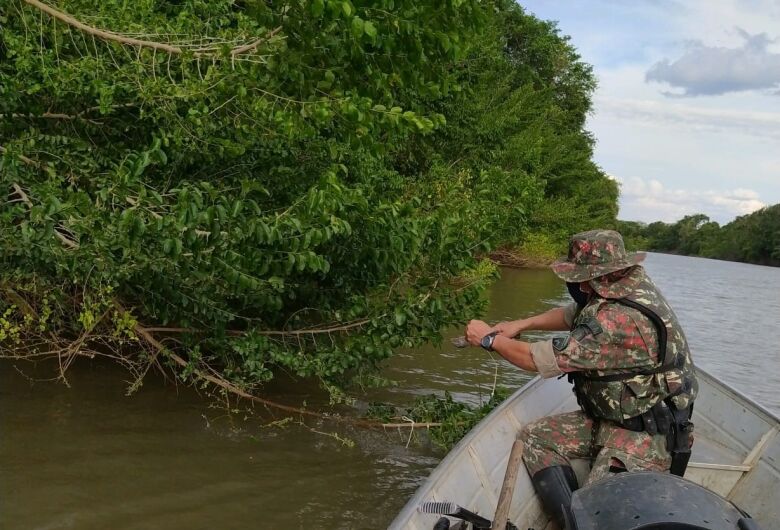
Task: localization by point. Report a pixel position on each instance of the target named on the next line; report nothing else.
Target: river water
(90, 457)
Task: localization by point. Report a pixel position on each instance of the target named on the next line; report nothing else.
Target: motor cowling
(652, 501)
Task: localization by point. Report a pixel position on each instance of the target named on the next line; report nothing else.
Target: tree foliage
(298, 186)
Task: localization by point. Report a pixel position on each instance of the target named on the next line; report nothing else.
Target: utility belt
(665, 418)
(662, 418)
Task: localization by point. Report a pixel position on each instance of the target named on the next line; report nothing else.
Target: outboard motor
(653, 501)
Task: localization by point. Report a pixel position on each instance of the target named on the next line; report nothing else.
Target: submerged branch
(226, 385)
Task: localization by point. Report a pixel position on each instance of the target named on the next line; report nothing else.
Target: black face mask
(575, 292)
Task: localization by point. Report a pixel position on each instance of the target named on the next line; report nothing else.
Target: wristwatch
(487, 341)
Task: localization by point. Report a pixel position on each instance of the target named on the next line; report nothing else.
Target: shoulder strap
(660, 326)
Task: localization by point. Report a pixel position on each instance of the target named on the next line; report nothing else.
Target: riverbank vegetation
(453, 419)
(229, 189)
(753, 238)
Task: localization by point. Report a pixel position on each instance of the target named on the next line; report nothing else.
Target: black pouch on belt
(679, 439)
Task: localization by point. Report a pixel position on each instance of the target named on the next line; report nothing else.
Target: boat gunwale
(455, 453)
(738, 394)
(462, 446)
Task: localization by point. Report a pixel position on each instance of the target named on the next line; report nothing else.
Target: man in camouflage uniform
(628, 359)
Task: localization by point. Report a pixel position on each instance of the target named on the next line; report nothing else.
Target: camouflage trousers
(553, 440)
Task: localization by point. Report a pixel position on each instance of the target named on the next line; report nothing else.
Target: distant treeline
(753, 238)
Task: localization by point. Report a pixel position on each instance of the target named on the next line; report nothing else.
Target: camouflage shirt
(609, 338)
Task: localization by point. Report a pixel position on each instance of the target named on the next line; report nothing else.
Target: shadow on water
(90, 457)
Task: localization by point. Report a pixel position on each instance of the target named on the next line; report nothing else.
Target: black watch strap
(487, 340)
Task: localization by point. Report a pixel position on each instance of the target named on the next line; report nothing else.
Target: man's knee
(531, 431)
(525, 433)
(612, 460)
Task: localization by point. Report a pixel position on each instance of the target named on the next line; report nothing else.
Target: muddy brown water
(88, 456)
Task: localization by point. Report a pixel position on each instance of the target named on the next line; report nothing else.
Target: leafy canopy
(299, 186)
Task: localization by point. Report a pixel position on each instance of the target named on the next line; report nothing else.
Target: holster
(678, 441)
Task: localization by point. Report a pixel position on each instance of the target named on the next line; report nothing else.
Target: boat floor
(735, 454)
(706, 451)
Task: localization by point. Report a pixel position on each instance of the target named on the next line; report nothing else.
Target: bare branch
(253, 45)
(22, 195)
(132, 41)
(292, 332)
(68, 242)
(28, 161)
(103, 34)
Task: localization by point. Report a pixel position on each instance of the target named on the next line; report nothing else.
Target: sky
(687, 113)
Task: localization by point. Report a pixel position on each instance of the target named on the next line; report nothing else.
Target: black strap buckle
(636, 424)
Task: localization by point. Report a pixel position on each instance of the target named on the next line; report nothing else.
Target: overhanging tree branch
(63, 116)
(132, 41)
(68, 242)
(26, 160)
(292, 332)
(226, 385)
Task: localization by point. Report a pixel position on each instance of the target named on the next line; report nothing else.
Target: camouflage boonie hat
(593, 254)
(608, 287)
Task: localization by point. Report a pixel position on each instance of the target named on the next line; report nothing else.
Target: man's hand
(475, 330)
(514, 351)
(511, 328)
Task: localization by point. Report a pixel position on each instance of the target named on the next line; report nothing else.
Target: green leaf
(400, 316)
(317, 7)
(357, 26)
(369, 29)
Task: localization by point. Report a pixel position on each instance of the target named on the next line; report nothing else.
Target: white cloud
(736, 202)
(649, 200)
(715, 70)
(715, 21)
(741, 193)
(703, 152)
(689, 147)
(695, 118)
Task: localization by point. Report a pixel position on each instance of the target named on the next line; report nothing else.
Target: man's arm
(536, 357)
(515, 351)
(558, 319)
